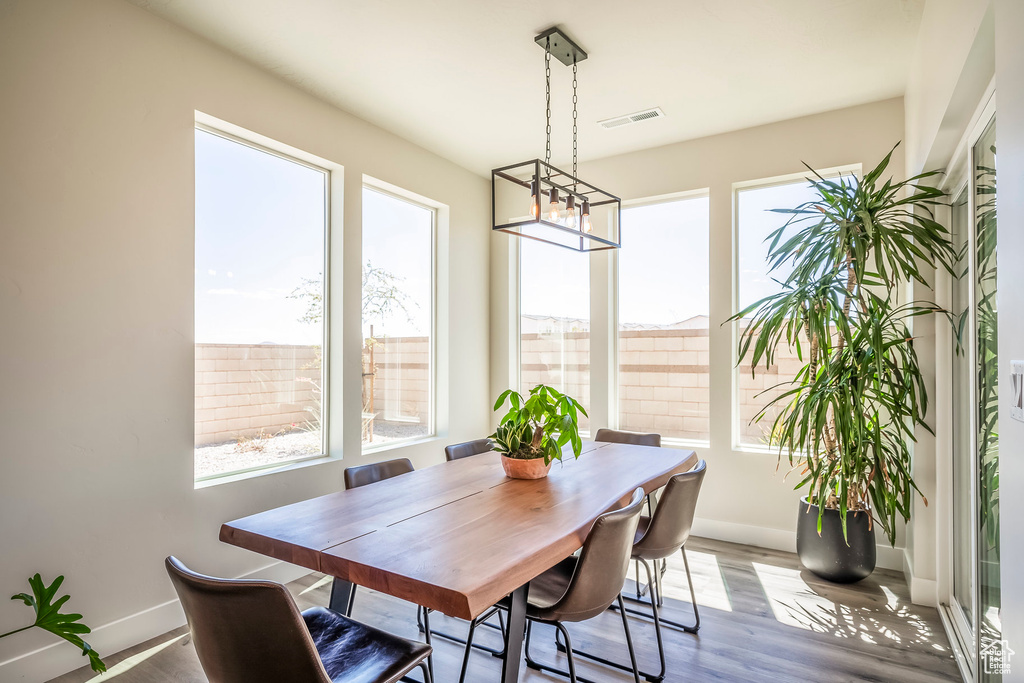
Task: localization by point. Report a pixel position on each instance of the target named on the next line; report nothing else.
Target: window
(754, 224)
(663, 319)
(554, 344)
(398, 315)
(261, 226)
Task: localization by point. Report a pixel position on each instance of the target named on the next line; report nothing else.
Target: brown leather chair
(362, 475)
(660, 537)
(464, 450)
(635, 438)
(581, 588)
(252, 632)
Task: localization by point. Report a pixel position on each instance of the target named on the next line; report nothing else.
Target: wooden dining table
(459, 536)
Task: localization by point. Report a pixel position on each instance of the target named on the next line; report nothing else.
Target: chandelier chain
(574, 174)
(547, 94)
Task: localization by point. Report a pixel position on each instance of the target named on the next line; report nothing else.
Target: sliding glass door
(973, 608)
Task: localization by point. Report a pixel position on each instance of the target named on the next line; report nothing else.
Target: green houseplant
(533, 432)
(49, 618)
(846, 420)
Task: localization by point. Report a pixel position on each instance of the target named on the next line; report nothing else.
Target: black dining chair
(583, 587)
(252, 632)
(658, 538)
(364, 475)
(459, 451)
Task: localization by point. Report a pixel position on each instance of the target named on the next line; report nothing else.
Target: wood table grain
(458, 536)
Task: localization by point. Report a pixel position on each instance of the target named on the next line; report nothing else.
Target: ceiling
(464, 79)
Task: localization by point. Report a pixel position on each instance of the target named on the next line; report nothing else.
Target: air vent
(646, 114)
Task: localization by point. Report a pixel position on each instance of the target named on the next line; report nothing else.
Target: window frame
(855, 169)
(399, 194)
(613, 383)
(233, 133)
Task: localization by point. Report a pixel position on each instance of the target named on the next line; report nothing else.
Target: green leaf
(49, 617)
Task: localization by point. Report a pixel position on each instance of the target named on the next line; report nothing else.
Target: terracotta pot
(517, 468)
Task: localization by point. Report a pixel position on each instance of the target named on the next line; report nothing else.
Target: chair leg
(657, 627)
(469, 648)
(426, 634)
(568, 653)
(629, 641)
(693, 628)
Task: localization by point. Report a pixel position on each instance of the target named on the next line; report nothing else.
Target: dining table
(459, 536)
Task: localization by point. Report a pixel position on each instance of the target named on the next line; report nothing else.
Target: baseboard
(922, 591)
(779, 539)
(59, 657)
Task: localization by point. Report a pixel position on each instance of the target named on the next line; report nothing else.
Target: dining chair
(252, 632)
(583, 587)
(364, 475)
(634, 438)
(458, 451)
(658, 538)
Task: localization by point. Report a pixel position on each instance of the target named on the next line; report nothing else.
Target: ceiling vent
(645, 115)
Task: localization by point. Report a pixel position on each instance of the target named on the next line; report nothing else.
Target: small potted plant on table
(532, 433)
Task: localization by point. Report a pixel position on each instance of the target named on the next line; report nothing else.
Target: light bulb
(534, 200)
(585, 225)
(570, 212)
(553, 214)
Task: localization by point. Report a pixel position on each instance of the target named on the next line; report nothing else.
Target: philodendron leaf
(49, 617)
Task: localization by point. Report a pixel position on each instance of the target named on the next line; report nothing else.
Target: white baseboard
(779, 539)
(922, 591)
(59, 657)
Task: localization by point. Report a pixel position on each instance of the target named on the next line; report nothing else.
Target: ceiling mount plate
(562, 47)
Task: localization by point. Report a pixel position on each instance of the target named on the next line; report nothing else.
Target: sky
(259, 231)
(260, 222)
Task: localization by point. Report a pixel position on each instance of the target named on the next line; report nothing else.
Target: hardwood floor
(763, 619)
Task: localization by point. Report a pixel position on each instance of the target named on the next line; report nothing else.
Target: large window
(755, 222)
(398, 314)
(554, 344)
(261, 226)
(663, 319)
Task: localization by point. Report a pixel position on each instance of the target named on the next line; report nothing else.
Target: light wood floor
(763, 619)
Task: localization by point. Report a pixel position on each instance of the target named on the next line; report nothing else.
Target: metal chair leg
(469, 649)
(428, 674)
(568, 653)
(693, 628)
(426, 634)
(629, 642)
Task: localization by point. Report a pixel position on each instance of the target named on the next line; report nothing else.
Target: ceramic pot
(828, 555)
(517, 468)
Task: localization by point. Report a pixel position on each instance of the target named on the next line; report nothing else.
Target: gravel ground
(229, 457)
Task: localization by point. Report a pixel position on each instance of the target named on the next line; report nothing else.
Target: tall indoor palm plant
(847, 418)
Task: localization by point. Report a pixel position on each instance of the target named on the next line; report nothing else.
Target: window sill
(685, 443)
(400, 443)
(229, 478)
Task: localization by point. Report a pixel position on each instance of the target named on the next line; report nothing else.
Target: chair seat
(353, 652)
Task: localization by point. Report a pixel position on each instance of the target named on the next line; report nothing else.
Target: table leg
(342, 595)
(514, 635)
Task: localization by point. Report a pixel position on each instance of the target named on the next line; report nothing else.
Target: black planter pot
(828, 555)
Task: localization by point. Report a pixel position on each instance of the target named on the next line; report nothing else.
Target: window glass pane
(755, 224)
(663, 319)
(554, 289)
(986, 334)
(397, 304)
(260, 227)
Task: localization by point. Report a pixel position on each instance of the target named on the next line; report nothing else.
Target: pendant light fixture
(533, 199)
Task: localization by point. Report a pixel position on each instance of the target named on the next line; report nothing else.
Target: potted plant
(532, 433)
(846, 419)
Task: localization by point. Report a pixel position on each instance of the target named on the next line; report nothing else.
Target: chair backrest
(378, 471)
(635, 438)
(464, 450)
(246, 631)
(603, 565)
(673, 517)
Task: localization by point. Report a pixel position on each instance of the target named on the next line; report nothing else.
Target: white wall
(744, 499)
(97, 103)
(1010, 169)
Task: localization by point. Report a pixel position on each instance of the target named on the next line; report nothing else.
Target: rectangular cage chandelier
(538, 201)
